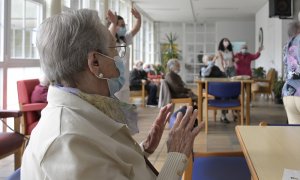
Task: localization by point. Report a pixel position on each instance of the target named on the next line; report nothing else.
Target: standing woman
(123, 39)
(291, 88)
(224, 57)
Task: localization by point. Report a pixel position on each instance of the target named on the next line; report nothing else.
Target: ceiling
(199, 10)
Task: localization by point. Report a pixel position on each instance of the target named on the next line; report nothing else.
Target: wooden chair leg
(206, 120)
(18, 158)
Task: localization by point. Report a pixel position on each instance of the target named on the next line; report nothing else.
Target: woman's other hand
(182, 136)
(157, 129)
(112, 17)
(135, 13)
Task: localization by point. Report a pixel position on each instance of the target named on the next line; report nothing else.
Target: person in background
(137, 76)
(243, 60)
(224, 57)
(211, 70)
(83, 132)
(39, 94)
(175, 83)
(291, 60)
(124, 38)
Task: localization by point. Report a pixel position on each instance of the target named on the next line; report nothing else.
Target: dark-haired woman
(224, 57)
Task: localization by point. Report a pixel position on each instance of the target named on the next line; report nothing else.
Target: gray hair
(64, 41)
(171, 64)
(293, 29)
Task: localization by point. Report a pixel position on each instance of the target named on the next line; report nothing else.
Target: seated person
(39, 94)
(137, 75)
(211, 70)
(175, 83)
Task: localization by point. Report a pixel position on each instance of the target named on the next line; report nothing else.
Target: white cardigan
(74, 140)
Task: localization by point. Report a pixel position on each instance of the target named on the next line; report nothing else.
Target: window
(97, 5)
(1, 30)
(24, 22)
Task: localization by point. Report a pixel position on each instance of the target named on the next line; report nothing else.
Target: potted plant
(258, 73)
(169, 50)
(277, 89)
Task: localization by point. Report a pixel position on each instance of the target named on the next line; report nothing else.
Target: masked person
(243, 60)
(224, 57)
(123, 38)
(83, 132)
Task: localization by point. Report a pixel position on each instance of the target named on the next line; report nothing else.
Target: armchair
(139, 93)
(165, 96)
(12, 142)
(30, 110)
(264, 86)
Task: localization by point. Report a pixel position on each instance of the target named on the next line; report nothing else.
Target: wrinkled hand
(112, 17)
(157, 129)
(182, 136)
(135, 13)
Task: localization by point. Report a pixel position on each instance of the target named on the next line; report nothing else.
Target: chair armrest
(261, 80)
(33, 107)
(10, 113)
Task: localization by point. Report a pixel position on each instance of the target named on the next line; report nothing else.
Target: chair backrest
(164, 94)
(224, 89)
(25, 88)
(30, 114)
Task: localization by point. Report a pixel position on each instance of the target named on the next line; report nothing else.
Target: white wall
(243, 31)
(275, 36)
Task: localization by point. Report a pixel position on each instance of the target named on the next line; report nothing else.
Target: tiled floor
(221, 137)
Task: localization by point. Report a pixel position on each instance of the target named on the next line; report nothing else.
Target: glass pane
(190, 37)
(1, 89)
(24, 21)
(199, 38)
(1, 30)
(210, 28)
(210, 37)
(210, 48)
(189, 27)
(200, 28)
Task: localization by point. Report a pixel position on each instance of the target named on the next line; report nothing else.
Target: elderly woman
(175, 83)
(291, 60)
(83, 132)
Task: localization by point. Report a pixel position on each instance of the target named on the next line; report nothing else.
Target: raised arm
(138, 23)
(113, 19)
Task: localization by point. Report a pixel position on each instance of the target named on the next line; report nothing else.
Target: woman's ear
(93, 63)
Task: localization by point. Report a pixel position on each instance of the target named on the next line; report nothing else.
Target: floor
(220, 137)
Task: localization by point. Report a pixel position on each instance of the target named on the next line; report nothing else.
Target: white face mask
(115, 84)
(244, 51)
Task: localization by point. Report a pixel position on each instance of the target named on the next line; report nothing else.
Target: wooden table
(270, 149)
(246, 83)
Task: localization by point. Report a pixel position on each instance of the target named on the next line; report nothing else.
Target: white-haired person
(84, 132)
(176, 85)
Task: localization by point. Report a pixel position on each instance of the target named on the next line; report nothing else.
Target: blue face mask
(121, 32)
(115, 84)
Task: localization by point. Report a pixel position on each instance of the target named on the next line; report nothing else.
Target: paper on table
(290, 174)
